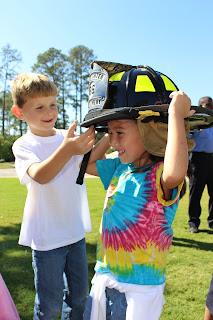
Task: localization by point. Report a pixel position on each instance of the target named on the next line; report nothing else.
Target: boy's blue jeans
(61, 282)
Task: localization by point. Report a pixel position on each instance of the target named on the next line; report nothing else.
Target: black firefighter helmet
(119, 91)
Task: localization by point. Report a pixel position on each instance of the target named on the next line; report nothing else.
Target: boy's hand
(43, 172)
(79, 144)
(180, 104)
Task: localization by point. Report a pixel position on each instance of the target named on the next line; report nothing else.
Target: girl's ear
(17, 112)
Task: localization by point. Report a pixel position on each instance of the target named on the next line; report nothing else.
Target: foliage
(189, 264)
(12, 124)
(53, 63)
(10, 58)
(69, 72)
(80, 58)
(6, 148)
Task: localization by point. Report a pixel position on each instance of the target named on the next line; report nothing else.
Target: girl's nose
(113, 141)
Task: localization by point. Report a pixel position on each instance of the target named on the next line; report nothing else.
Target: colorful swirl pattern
(135, 233)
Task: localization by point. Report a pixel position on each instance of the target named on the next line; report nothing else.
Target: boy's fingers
(89, 146)
(90, 139)
(87, 136)
(72, 128)
(88, 132)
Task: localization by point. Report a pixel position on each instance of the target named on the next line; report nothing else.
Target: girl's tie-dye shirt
(135, 232)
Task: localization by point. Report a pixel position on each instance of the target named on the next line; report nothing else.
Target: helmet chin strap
(82, 171)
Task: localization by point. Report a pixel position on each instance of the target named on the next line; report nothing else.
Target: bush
(6, 153)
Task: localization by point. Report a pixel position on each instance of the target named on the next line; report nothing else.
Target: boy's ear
(17, 112)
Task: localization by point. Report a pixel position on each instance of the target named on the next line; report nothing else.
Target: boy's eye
(38, 108)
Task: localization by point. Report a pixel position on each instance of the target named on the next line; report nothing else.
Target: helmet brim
(202, 118)
(101, 117)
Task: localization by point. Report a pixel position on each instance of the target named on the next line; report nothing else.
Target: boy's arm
(98, 153)
(46, 170)
(176, 155)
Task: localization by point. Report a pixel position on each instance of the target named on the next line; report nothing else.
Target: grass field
(6, 164)
(189, 265)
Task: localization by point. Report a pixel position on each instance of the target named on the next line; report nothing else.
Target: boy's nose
(48, 110)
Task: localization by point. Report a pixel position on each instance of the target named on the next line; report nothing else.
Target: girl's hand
(180, 105)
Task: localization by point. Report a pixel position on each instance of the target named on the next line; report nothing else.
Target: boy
(56, 213)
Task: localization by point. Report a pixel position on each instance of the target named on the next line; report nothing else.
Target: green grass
(189, 264)
(6, 165)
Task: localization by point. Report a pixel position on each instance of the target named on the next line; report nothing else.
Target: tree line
(70, 72)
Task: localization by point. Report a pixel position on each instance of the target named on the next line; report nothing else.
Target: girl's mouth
(120, 153)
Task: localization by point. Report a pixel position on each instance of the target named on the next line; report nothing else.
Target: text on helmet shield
(98, 88)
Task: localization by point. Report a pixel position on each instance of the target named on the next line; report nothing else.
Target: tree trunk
(3, 108)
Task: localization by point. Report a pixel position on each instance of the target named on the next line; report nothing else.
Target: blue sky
(171, 36)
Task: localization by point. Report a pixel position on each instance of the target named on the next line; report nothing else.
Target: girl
(140, 206)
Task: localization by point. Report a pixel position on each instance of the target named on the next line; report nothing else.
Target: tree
(10, 58)
(53, 63)
(6, 99)
(80, 58)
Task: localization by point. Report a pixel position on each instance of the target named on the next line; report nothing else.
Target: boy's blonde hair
(31, 85)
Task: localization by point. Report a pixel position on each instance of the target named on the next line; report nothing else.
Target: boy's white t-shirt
(56, 214)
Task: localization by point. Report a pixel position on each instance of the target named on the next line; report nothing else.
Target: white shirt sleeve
(25, 155)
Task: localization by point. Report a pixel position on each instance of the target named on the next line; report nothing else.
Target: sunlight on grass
(189, 264)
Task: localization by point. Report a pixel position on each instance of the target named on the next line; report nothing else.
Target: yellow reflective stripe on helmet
(168, 84)
(143, 83)
(116, 77)
(147, 113)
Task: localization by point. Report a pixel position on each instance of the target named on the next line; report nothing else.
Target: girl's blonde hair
(31, 85)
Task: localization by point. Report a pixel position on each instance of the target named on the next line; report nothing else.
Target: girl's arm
(98, 153)
(176, 155)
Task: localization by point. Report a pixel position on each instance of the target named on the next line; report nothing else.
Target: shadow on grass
(192, 243)
(16, 270)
